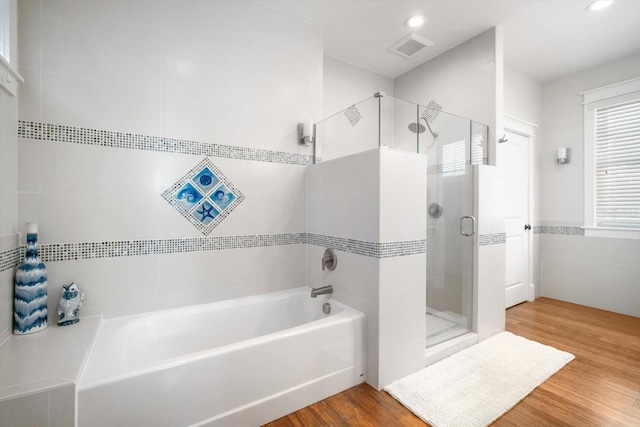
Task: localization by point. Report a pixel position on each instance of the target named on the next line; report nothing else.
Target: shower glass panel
(449, 301)
(451, 145)
(349, 131)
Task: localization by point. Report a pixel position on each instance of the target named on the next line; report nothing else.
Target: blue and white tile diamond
(204, 196)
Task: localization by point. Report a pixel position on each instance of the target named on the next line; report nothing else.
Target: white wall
(345, 85)
(489, 260)
(224, 72)
(562, 199)
(522, 96)
(344, 204)
(402, 290)
(523, 100)
(466, 80)
(8, 188)
(359, 202)
(599, 272)
(53, 408)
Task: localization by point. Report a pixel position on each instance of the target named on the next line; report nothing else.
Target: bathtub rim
(345, 315)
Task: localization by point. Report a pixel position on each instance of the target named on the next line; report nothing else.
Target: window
(617, 165)
(612, 157)
(5, 29)
(454, 159)
(9, 77)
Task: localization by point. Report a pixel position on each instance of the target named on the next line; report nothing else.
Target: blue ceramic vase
(30, 298)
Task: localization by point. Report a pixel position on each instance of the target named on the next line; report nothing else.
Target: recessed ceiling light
(415, 21)
(596, 5)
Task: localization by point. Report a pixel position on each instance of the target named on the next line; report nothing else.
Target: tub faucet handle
(329, 260)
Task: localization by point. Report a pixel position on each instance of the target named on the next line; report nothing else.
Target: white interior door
(515, 167)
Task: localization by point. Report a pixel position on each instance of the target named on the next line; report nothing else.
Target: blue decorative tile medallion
(188, 196)
(204, 196)
(223, 197)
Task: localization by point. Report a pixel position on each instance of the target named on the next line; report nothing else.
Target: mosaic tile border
(558, 229)
(11, 258)
(106, 138)
(370, 249)
(492, 239)
(91, 250)
(94, 250)
(169, 196)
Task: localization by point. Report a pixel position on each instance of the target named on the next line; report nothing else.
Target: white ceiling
(545, 39)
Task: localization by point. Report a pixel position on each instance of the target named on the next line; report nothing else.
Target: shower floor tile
(442, 326)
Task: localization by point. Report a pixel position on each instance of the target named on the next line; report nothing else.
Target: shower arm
(435, 134)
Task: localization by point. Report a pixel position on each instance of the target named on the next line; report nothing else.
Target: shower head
(419, 128)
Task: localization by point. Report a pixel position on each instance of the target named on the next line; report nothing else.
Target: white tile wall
(489, 261)
(402, 286)
(403, 190)
(349, 196)
(113, 286)
(55, 408)
(356, 275)
(31, 410)
(6, 302)
(232, 73)
(364, 197)
(401, 361)
(8, 162)
(8, 189)
(598, 272)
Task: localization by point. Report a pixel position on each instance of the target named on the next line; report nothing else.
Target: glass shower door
(450, 228)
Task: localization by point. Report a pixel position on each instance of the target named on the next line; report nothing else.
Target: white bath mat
(475, 386)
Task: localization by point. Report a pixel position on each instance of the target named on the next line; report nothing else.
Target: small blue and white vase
(30, 299)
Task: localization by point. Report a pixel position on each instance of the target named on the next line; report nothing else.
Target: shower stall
(451, 146)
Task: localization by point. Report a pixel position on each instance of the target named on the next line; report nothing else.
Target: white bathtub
(242, 362)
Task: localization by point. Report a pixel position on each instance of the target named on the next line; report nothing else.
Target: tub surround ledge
(46, 360)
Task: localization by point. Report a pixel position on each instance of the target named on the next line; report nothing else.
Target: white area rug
(475, 386)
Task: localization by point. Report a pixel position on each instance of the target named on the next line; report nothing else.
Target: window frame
(9, 77)
(597, 98)
(5, 30)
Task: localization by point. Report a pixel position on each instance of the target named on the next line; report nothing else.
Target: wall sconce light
(306, 132)
(563, 155)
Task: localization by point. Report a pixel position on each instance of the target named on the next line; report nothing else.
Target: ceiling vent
(410, 45)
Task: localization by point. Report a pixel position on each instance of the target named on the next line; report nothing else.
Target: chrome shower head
(417, 128)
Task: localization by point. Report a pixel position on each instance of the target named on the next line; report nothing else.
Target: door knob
(527, 226)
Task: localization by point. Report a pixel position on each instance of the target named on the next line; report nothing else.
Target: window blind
(617, 165)
(477, 149)
(453, 158)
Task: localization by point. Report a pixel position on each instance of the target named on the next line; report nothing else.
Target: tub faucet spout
(321, 291)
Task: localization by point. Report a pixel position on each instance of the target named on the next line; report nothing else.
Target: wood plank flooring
(601, 387)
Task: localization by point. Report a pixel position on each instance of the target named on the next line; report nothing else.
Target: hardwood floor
(601, 387)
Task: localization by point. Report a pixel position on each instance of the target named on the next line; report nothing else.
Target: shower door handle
(473, 225)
